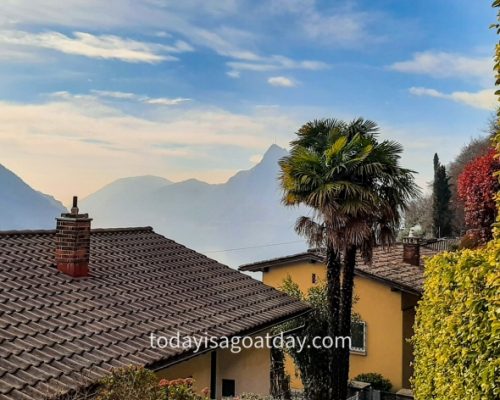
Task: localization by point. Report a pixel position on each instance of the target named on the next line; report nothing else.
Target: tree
(441, 195)
(419, 211)
(475, 148)
(477, 187)
(312, 361)
(355, 187)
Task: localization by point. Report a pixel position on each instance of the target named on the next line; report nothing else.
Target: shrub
(457, 329)
(130, 383)
(181, 389)
(477, 187)
(138, 383)
(377, 381)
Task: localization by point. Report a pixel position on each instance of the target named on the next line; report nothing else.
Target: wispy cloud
(187, 19)
(281, 81)
(484, 99)
(446, 65)
(162, 101)
(97, 46)
(275, 63)
(341, 25)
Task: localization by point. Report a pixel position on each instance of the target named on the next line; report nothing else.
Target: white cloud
(275, 63)
(446, 65)
(103, 46)
(233, 74)
(162, 101)
(185, 19)
(281, 81)
(484, 99)
(339, 25)
(256, 158)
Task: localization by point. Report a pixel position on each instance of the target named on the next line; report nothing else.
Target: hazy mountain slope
(22, 207)
(245, 211)
(113, 204)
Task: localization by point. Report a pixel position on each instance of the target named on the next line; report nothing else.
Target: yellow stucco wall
(250, 369)
(377, 305)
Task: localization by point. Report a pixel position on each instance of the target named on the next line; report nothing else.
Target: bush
(181, 389)
(130, 383)
(457, 328)
(377, 381)
(138, 383)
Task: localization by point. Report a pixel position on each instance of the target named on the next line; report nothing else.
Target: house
(76, 302)
(386, 293)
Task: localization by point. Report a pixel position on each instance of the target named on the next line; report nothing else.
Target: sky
(92, 90)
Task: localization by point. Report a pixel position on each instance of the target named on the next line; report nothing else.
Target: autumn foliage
(477, 187)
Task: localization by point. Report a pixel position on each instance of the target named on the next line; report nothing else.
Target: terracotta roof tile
(57, 333)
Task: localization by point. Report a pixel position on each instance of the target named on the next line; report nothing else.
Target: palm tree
(355, 188)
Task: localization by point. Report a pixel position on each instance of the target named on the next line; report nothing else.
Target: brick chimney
(411, 250)
(73, 242)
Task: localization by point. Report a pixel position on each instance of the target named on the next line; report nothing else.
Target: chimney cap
(74, 209)
(75, 212)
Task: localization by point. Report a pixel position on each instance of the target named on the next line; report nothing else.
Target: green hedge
(457, 329)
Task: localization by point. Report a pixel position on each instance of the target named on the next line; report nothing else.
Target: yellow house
(387, 292)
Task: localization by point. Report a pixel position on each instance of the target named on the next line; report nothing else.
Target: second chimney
(411, 250)
(73, 242)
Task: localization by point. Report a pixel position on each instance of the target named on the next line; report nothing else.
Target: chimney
(411, 250)
(73, 242)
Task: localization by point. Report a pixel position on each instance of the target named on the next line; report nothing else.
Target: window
(314, 278)
(358, 336)
(228, 388)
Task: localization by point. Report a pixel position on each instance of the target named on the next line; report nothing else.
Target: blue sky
(93, 91)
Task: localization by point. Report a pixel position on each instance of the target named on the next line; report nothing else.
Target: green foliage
(130, 383)
(377, 381)
(181, 389)
(496, 137)
(139, 383)
(457, 329)
(313, 363)
(441, 195)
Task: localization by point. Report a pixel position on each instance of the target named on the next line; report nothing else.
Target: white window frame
(360, 350)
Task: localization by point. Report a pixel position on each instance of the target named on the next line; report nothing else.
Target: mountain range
(236, 222)
(239, 221)
(22, 207)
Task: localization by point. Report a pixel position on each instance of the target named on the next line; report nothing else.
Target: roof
(57, 332)
(387, 266)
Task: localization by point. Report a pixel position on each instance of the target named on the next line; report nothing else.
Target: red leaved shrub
(477, 188)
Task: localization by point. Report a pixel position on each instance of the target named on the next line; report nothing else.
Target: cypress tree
(441, 196)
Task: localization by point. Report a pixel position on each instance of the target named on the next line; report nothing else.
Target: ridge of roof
(259, 265)
(32, 232)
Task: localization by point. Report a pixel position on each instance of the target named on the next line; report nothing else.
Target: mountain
(246, 211)
(115, 200)
(22, 207)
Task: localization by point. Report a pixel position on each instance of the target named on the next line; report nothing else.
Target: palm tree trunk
(334, 268)
(345, 318)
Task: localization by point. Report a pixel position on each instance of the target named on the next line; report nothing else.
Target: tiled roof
(387, 266)
(57, 332)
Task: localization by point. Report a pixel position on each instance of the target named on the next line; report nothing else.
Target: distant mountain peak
(274, 152)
